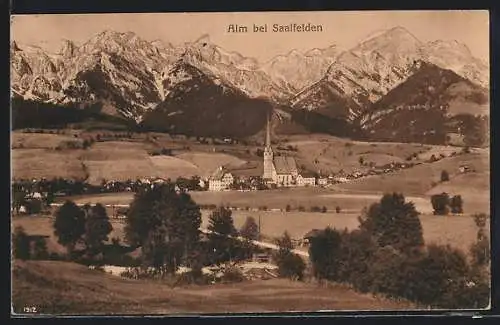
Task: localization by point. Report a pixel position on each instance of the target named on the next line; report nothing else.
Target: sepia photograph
(250, 162)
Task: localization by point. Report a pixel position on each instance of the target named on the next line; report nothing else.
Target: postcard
(252, 162)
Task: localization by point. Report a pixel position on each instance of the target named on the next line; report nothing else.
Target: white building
(220, 180)
(322, 181)
(306, 180)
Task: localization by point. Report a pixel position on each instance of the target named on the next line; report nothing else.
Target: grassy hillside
(420, 179)
(38, 163)
(67, 288)
(331, 154)
(129, 157)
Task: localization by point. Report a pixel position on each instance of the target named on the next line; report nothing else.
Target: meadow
(457, 231)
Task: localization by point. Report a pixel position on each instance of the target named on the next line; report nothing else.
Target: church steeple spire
(268, 132)
(268, 153)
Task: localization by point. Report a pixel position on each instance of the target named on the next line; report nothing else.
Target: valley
(312, 138)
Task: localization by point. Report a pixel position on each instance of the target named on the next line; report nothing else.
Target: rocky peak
(68, 49)
(203, 40)
(14, 47)
(394, 40)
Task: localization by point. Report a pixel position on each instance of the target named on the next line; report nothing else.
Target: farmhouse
(322, 181)
(306, 179)
(220, 180)
(312, 234)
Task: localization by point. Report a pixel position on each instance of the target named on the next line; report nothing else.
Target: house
(220, 180)
(312, 234)
(22, 209)
(306, 179)
(464, 169)
(201, 183)
(322, 181)
(340, 179)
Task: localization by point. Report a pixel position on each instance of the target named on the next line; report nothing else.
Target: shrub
(288, 208)
(34, 206)
(456, 204)
(440, 203)
(315, 209)
(232, 274)
(324, 209)
(337, 209)
(480, 252)
(445, 176)
(40, 249)
(21, 244)
(291, 266)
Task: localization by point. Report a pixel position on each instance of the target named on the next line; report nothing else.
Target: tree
(361, 161)
(40, 249)
(337, 209)
(324, 253)
(18, 198)
(49, 199)
(480, 249)
(445, 176)
(456, 204)
(441, 276)
(250, 229)
(165, 224)
(290, 265)
(97, 228)
(440, 203)
(69, 225)
(221, 226)
(34, 206)
(394, 222)
(20, 244)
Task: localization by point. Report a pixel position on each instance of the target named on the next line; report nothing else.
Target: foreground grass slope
(68, 288)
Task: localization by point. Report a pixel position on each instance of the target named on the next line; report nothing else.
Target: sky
(345, 29)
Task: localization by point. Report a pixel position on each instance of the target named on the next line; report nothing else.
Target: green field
(458, 231)
(68, 288)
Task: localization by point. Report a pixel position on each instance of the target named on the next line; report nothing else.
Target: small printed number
(30, 309)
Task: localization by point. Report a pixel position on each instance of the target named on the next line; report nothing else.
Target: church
(281, 170)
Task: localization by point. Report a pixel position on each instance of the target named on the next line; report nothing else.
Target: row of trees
(387, 255)
(82, 231)
(443, 204)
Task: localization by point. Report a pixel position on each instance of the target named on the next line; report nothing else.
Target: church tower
(268, 154)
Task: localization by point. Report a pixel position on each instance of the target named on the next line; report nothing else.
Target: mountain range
(200, 88)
